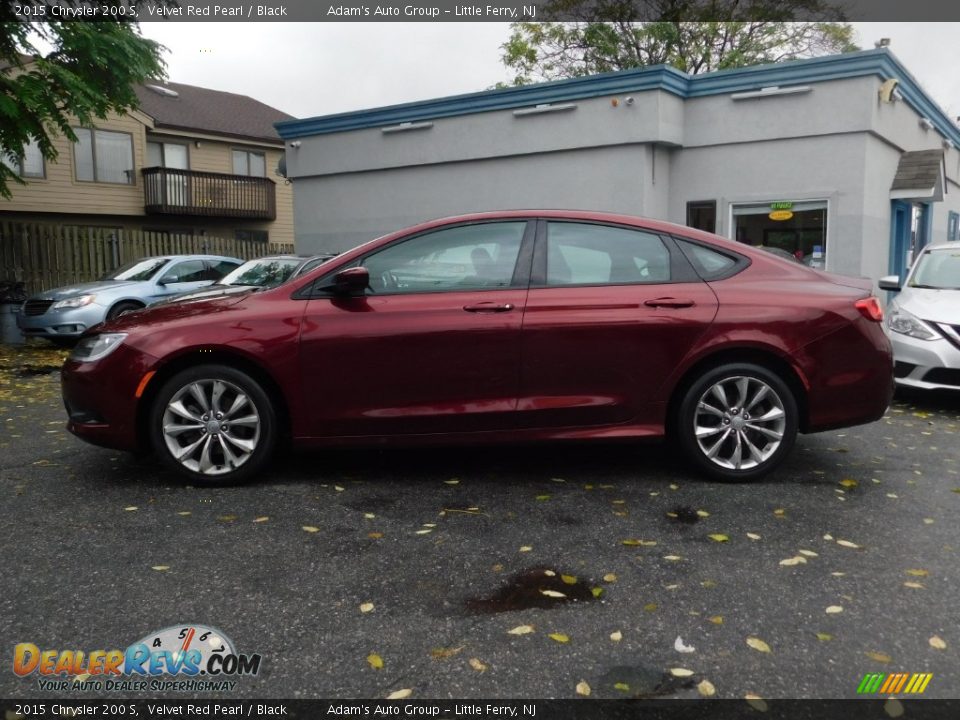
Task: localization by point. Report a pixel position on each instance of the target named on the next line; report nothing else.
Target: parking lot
(359, 573)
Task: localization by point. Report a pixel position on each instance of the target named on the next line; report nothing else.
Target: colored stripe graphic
(882, 683)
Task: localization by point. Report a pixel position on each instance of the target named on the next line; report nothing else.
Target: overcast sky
(310, 69)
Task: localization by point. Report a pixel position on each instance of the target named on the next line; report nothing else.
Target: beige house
(190, 161)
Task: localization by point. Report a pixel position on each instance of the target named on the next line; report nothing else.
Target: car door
(612, 311)
(433, 346)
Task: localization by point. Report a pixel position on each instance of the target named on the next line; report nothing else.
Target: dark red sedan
(511, 326)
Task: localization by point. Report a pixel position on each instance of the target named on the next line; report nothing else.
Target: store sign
(783, 205)
(780, 215)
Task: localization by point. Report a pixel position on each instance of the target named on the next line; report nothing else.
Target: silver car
(63, 314)
(923, 321)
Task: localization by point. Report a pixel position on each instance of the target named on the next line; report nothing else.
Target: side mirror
(890, 282)
(352, 281)
(167, 280)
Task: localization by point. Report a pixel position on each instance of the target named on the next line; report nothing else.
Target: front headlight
(73, 302)
(96, 347)
(905, 323)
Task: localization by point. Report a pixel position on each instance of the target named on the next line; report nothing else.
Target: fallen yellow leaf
(879, 657)
(452, 481)
(706, 688)
(623, 687)
(914, 585)
(310, 528)
(376, 662)
(525, 548)
(758, 644)
(443, 653)
(824, 637)
(849, 483)
(261, 519)
(717, 537)
(400, 694)
(834, 609)
(938, 643)
(650, 607)
(680, 672)
(798, 560)
(753, 536)
(756, 702)
(477, 664)
(521, 630)
(583, 688)
(424, 531)
(369, 516)
(552, 593)
(616, 636)
(610, 577)
(703, 513)
(569, 579)
(374, 535)
(893, 708)
(716, 619)
(184, 513)
(918, 572)
(559, 637)
(131, 508)
(227, 518)
(672, 558)
(809, 553)
(160, 568)
(596, 591)
(847, 543)
(366, 607)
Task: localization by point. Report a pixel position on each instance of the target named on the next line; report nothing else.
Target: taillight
(870, 308)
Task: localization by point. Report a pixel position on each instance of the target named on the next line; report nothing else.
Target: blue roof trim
(880, 62)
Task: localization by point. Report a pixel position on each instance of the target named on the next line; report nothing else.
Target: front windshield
(938, 269)
(137, 270)
(265, 272)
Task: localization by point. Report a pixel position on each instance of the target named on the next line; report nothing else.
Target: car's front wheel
(213, 424)
(737, 421)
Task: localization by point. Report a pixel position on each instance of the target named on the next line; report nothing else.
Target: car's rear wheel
(214, 424)
(122, 308)
(737, 422)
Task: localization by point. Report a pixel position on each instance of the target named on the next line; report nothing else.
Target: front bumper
(66, 323)
(100, 397)
(925, 364)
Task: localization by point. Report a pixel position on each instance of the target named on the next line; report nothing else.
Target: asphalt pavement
(546, 571)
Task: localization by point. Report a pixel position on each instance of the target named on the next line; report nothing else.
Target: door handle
(488, 307)
(669, 302)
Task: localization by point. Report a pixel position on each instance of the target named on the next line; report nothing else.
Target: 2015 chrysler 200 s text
(508, 326)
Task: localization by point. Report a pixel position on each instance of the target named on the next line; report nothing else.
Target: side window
(467, 257)
(219, 268)
(583, 254)
(188, 271)
(710, 264)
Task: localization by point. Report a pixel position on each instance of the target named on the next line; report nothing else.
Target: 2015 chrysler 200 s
(508, 326)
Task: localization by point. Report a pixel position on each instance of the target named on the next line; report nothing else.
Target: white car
(923, 320)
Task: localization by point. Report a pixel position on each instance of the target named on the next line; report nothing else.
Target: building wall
(341, 211)
(104, 204)
(60, 190)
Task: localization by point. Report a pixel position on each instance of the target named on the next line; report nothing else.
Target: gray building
(843, 161)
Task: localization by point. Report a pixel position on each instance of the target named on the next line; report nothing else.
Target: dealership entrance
(797, 228)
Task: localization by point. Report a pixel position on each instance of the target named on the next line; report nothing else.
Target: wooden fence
(44, 256)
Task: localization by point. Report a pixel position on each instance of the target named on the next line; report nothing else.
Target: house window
(258, 235)
(168, 155)
(246, 162)
(103, 156)
(953, 220)
(29, 164)
(702, 215)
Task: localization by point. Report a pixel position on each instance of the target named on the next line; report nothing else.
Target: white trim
(544, 108)
(771, 92)
(404, 126)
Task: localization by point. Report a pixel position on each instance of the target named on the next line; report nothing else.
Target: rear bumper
(851, 382)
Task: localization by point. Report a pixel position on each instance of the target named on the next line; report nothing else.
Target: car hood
(69, 291)
(155, 314)
(942, 306)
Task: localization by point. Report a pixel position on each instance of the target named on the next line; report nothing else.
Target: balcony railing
(169, 191)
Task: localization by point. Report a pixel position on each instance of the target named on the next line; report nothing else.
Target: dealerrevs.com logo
(184, 658)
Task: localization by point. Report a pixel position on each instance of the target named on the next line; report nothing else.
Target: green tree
(88, 70)
(695, 36)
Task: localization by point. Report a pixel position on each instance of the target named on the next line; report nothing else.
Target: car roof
(943, 246)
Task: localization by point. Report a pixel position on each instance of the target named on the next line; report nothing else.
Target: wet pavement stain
(538, 587)
(32, 370)
(639, 682)
(683, 514)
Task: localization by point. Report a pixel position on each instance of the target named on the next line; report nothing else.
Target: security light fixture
(882, 43)
(926, 123)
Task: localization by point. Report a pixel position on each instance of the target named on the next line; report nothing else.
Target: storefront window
(799, 228)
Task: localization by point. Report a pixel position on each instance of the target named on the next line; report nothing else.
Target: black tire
(218, 439)
(743, 435)
(122, 308)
